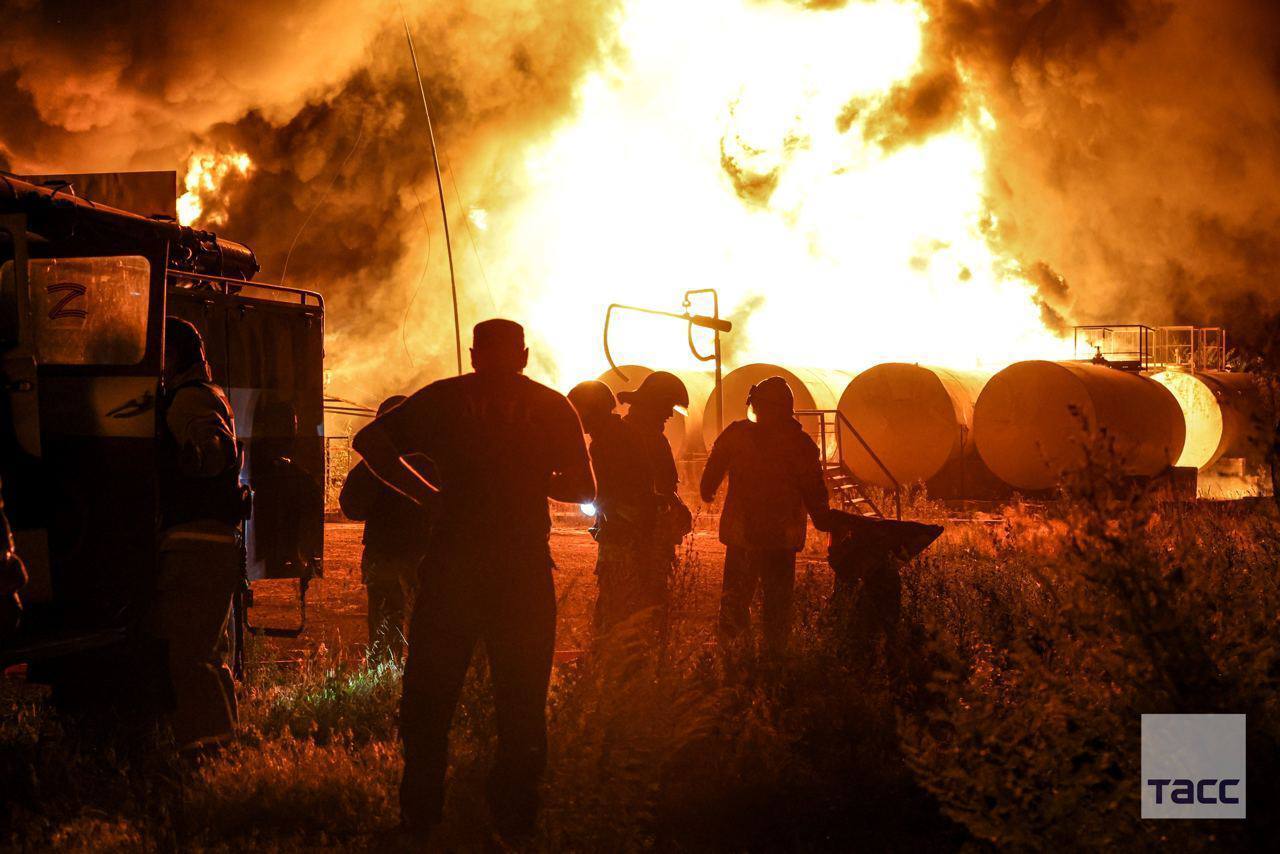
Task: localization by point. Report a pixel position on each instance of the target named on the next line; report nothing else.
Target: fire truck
(84, 290)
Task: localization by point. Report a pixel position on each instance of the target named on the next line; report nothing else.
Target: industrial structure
(1158, 401)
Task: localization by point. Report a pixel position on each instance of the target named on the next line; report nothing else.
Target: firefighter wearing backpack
(202, 504)
(775, 481)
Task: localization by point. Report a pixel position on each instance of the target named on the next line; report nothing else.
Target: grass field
(1002, 711)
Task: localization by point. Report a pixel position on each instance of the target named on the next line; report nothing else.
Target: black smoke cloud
(1136, 167)
(322, 97)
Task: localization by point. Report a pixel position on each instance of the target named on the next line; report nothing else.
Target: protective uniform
(395, 538)
(200, 564)
(651, 405)
(631, 568)
(775, 480)
(497, 440)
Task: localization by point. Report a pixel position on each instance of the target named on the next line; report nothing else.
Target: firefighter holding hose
(501, 445)
(775, 480)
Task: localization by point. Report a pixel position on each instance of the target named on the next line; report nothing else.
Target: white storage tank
(1221, 410)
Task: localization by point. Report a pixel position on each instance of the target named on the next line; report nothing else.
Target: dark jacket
(200, 455)
(394, 525)
(775, 478)
(657, 452)
(626, 503)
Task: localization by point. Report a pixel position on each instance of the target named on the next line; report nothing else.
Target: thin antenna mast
(444, 215)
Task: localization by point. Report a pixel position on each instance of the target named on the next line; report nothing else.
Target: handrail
(341, 406)
(302, 294)
(842, 419)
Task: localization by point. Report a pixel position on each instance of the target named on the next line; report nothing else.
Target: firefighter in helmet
(202, 504)
(775, 479)
(649, 407)
(630, 574)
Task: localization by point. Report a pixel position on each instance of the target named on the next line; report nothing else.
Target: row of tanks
(972, 434)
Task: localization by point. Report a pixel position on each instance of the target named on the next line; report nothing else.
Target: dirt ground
(336, 604)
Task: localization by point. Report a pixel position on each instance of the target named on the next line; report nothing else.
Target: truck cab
(84, 290)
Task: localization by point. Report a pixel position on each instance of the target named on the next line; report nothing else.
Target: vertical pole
(444, 214)
(719, 387)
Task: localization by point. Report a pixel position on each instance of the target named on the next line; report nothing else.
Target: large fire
(203, 181)
(726, 149)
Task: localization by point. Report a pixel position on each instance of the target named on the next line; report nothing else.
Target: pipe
(1034, 419)
(917, 419)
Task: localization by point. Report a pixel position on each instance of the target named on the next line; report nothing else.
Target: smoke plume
(1136, 160)
(1132, 162)
(322, 97)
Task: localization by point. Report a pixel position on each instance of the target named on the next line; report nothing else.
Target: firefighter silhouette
(775, 480)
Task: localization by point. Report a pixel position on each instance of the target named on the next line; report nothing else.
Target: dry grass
(1002, 711)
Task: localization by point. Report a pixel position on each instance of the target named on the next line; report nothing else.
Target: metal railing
(830, 422)
(304, 297)
(1196, 348)
(714, 322)
(1136, 347)
(1126, 346)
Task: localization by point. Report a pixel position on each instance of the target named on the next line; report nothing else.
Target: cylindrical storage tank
(684, 431)
(814, 388)
(1033, 420)
(1221, 411)
(915, 418)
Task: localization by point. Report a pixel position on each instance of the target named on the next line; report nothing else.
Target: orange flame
(850, 253)
(205, 174)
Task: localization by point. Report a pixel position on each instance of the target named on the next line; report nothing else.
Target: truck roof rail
(52, 213)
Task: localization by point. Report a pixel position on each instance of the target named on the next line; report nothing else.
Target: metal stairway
(847, 492)
(850, 494)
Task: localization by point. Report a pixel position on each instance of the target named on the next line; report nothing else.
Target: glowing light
(205, 174)
(479, 218)
(587, 509)
(1202, 413)
(728, 146)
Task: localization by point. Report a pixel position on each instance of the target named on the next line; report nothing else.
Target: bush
(1111, 605)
